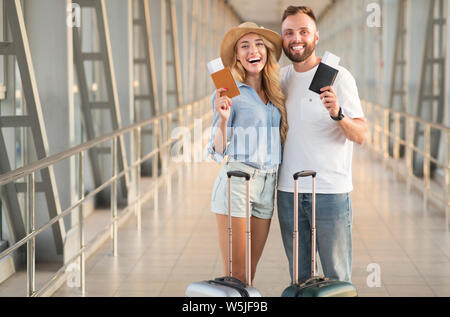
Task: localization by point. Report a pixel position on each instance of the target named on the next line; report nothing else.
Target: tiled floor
(178, 242)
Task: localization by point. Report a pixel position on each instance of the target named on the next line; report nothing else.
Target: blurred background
(74, 72)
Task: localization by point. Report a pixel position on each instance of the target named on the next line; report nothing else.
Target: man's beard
(297, 57)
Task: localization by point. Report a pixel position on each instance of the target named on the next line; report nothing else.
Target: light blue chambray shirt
(253, 131)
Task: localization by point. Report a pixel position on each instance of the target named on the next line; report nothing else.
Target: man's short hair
(293, 10)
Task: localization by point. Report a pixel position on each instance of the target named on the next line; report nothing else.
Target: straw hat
(229, 41)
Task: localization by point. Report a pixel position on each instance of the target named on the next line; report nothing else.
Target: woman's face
(252, 53)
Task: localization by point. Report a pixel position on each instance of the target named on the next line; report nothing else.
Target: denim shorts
(262, 192)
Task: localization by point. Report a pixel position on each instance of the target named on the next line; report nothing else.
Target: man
(322, 130)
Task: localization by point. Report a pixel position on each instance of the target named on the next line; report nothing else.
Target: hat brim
(230, 39)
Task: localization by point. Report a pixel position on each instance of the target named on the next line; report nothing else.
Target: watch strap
(340, 115)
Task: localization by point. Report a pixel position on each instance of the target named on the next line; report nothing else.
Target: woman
(250, 130)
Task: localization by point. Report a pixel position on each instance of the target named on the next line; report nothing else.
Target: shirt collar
(239, 84)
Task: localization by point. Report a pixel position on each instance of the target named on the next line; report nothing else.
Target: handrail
(380, 145)
(433, 125)
(79, 150)
(50, 160)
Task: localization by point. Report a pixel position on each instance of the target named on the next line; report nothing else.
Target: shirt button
(310, 100)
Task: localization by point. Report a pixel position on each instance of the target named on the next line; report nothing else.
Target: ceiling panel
(268, 12)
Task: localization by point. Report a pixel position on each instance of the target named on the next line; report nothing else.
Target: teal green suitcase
(321, 287)
(316, 286)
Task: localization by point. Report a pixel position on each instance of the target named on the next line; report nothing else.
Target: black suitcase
(228, 286)
(316, 286)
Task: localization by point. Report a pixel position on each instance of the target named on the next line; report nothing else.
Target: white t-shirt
(315, 141)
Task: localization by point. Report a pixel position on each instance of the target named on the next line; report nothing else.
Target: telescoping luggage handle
(248, 272)
(313, 225)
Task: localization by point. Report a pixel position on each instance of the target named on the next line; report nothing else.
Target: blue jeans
(334, 218)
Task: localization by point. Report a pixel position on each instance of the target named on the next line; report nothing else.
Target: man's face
(300, 37)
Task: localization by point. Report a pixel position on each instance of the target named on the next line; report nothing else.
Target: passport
(324, 76)
(223, 78)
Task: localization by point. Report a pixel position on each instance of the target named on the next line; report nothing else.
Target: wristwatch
(340, 115)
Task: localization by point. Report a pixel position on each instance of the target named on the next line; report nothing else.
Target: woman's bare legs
(260, 230)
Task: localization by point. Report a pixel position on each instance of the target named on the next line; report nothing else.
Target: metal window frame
(428, 78)
(111, 105)
(32, 120)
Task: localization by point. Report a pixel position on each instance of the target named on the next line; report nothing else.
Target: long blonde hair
(270, 84)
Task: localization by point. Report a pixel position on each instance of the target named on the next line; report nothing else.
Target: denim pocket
(268, 191)
(216, 187)
(218, 184)
(332, 207)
